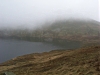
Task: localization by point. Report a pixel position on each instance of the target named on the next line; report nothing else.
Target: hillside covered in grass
(74, 30)
(83, 61)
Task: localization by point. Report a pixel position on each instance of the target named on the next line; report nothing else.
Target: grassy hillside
(74, 30)
(83, 61)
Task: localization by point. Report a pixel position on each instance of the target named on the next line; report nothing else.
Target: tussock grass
(83, 61)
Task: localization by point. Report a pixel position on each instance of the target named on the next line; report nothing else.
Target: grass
(83, 61)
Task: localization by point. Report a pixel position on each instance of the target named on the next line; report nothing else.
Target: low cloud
(32, 13)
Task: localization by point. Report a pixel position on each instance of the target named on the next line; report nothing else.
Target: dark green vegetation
(7, 73)
(83, 61)
(71, 30)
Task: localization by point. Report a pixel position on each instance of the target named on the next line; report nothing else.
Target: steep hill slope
(83, 61)
(74, 30)
(80, 30)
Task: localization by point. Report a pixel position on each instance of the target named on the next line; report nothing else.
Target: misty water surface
(13, 48)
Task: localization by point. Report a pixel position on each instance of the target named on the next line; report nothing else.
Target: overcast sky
(29, 13)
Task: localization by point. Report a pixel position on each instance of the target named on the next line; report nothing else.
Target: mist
(34, 13)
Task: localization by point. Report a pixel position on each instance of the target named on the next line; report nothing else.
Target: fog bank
(33, 13)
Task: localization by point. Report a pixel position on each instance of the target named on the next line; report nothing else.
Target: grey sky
(32, 12)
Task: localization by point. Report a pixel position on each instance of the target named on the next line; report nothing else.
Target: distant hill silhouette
(77, 30)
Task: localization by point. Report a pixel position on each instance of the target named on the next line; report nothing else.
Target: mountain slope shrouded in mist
(78, 30)
(83, 61)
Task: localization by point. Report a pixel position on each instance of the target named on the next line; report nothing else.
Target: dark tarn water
(13, 48)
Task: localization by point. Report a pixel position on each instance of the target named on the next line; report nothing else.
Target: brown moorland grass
(83, 61)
